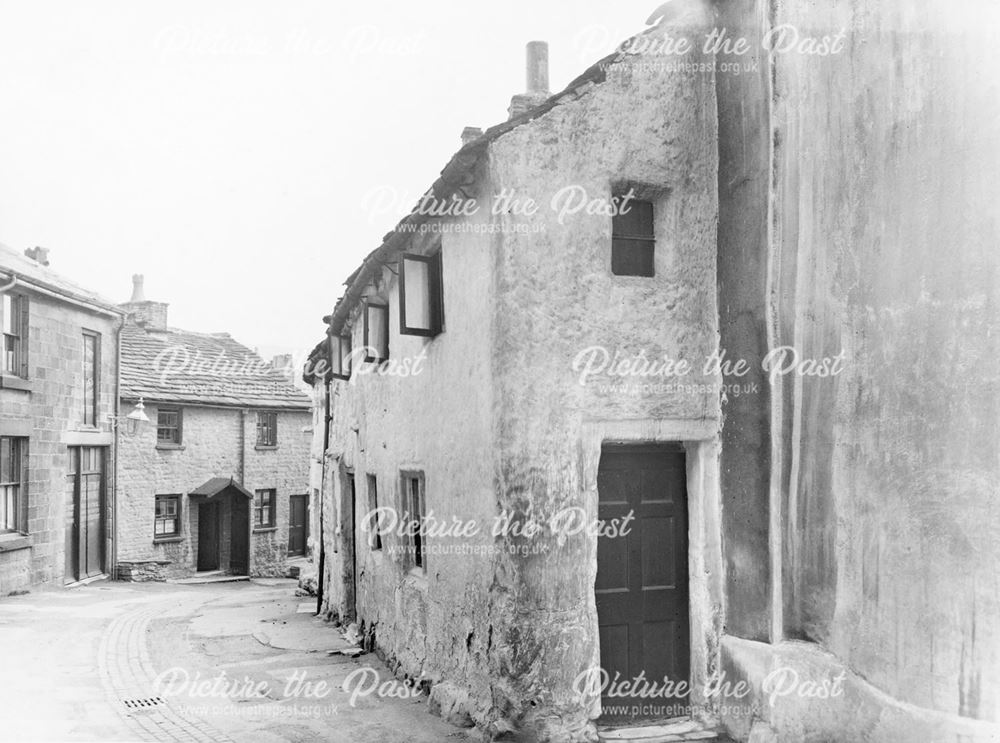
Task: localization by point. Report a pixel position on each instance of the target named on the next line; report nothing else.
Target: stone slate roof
(202, 368)
(30, 272)
(215, 485)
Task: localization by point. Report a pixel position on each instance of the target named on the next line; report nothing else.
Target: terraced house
(58, 402)
(217, 482)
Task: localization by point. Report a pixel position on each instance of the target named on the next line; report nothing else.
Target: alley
(238, 661)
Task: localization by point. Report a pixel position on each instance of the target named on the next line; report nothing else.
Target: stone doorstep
(86, 581)
(208, 579)
(671, 731)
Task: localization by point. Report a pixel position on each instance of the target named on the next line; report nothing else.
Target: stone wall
(51, 415)
(213, 439)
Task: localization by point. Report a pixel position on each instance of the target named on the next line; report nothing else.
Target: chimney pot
(538, 67)
(138, 294)
(38, 255)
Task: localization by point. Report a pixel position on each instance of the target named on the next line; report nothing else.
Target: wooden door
(298, 529)
(351, 581)
(642, 576)
(208, 536)
(85, 531)
(239, 537)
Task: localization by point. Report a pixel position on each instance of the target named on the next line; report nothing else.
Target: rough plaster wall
(54, 406)
(556, 297)
(211, 446)
(888, 225)
(437, 422)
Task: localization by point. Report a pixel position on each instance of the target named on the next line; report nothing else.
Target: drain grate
(146, 703)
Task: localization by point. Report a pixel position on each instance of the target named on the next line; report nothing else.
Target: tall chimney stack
(537, 69)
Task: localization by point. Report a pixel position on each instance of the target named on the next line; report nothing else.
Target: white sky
(224, 149)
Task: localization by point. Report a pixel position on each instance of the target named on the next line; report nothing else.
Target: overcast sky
(225, 149)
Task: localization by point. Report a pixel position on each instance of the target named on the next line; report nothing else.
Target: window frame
(270, 505)
(179, 428)
(16, 523)
(384, 306)
(618, 238)
(261, 428)
(174, 498)
(338, 356)
(375, 525)
(91, 407)
(415, 545)
(435, 293)
(18, 332)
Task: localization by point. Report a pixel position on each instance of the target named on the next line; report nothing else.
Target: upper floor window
(632, 238)
(168, 426)
(421, 297)
(263, 508)
(13, 483)
(374, 524)
(267, 429)
(340, 356)
(376, 331)
(14, 338)
(167, 520)
(91, 377)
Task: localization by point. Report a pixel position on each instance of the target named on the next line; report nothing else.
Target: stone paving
(102, 663)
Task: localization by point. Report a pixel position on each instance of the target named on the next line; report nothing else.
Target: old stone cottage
(218, 481)
(58, 383)
(508, 366)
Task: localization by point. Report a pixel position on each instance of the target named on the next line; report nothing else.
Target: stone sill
(10, 382)
(261, 447)
(168, 540)
(170, 447)
(264, 529)
(13, 542)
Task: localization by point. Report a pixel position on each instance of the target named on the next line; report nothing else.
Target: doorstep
(676, 730)
(86, 581)
(214, 576)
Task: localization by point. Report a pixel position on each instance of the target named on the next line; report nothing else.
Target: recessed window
(263, 508)
(91, 377)
(168, 426)
(340, 356)
(13, 483)
(167, 521)
(632, 238)
(421, 300)
(413, 515)
(14, 338)
(376, 332)
(267, 429)
(375, 520)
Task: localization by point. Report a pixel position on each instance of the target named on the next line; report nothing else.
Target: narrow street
(238, 661)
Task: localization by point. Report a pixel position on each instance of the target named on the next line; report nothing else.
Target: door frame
(700, 439)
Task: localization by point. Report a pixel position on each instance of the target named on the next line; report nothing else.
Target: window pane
(378, 331)
(632, 257)
(637, 221)
(417, 277)
(7, 310)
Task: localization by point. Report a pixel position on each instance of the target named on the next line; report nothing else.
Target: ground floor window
(13, 482)
(374, 524)
(414, 510)
(167, 522)
(263, 508)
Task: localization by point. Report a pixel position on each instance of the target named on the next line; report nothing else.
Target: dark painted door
(642, 576)
(239, 538)
(298, 524)
(352, 549)
(85, 513)
(208, 536)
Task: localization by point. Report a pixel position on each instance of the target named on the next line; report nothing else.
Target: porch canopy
(218, 485)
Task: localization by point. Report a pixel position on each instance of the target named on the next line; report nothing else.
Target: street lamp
(133, 420)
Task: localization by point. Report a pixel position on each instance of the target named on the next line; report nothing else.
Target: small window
(91, 377)
(14, 337)
(413, 515)
(421, 301)
(340, 356)
(13, 483)
(376, 332)
(167, 522)
(168, 426)
(263, 508)
(374, 525)
(632, 238)
(267, 429)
